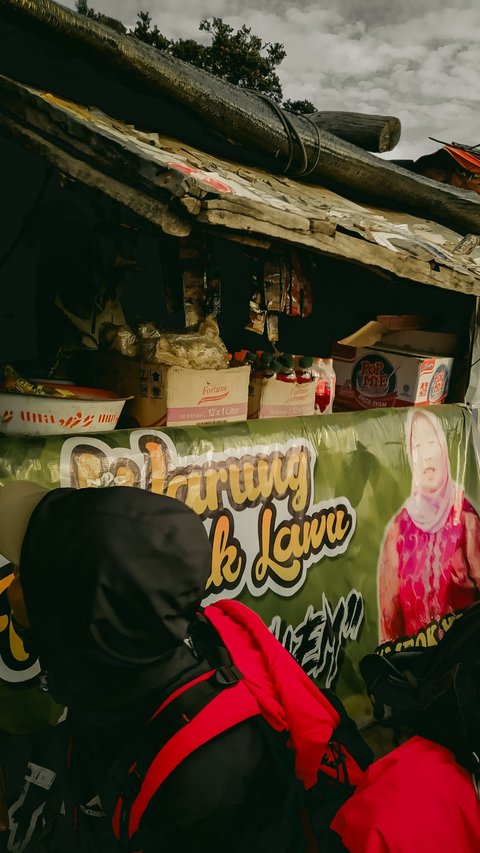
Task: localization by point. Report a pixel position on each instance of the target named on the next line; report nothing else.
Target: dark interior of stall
(66, 251)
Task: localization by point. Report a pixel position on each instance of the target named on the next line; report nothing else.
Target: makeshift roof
(176, 186)
(466, 159)
(244, 121)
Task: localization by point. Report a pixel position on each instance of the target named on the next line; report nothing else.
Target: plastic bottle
(239, 357)
(324, 376)
(283, 368)
(303, 370)
(263, 365)
(243, 358)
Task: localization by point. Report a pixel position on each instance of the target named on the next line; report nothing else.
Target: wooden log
(370, 132)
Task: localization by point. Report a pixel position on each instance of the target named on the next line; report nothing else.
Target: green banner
(345, 533)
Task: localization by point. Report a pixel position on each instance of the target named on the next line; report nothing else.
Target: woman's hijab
(428, 506)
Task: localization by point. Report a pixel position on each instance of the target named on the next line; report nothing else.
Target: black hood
(112, 579)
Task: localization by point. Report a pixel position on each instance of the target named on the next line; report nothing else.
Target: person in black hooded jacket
(108, 590)
(109, 585)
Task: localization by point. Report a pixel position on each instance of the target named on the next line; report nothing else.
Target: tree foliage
(144, 31)
(304, 106)
(84, 9)
(240, 56)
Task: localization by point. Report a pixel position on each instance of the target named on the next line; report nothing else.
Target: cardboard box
(390, 371)
(271, 398)
(427, 343)
(176, 396)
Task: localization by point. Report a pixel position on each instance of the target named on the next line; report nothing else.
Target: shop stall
(175, 320)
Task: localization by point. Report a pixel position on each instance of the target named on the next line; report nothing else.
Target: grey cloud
(379, 12)
(417, 61)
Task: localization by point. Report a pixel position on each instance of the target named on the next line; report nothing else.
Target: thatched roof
(176, 186)
(251, 124)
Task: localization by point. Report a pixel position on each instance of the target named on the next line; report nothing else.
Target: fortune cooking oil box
(270, 398)
(400, 370)
(177, 396)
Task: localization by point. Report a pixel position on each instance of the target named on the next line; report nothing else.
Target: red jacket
(416, 799)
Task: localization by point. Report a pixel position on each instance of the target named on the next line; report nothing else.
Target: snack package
(298, 287)
(12, 383)
(274, 283)
(272, 327)
(257, 317)
(194, 281)
(256, 313)
(307, 267)
(120, 338)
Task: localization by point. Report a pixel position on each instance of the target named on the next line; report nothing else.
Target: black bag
(320, 803)
(434, 692)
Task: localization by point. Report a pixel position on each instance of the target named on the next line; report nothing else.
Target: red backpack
(252, 675)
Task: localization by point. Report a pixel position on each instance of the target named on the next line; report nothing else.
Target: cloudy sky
(416, 60)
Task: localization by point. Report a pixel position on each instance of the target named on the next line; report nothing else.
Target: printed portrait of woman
(430, 562)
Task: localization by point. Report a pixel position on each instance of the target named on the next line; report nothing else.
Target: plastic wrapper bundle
(298, 296)
(200, 348)
(120, 338)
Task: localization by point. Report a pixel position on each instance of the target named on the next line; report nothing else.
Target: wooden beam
(260, 211)
(96, 151)
(99, 143)
(353, 249)
(149, 208)
(244, 239)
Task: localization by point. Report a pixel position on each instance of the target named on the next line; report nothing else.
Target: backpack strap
(347, 737)
(207, 642)
(180, 726)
